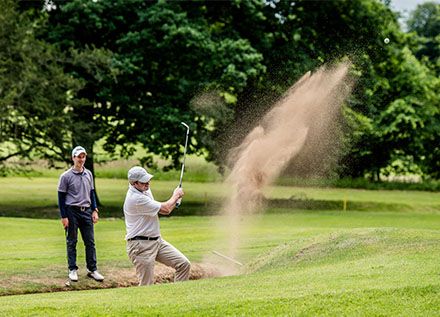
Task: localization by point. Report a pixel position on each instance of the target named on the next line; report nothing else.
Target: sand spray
(304, 116)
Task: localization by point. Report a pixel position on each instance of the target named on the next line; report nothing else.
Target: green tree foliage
(35, 93)
(89, 116)
(45, 111)
(89, 67)
(295, 37)
(391, 115)
(165, 53)
(397, 109)
(399, 131)
(425, 22)
(219, 65)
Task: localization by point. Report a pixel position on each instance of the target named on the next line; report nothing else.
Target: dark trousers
(81, 220)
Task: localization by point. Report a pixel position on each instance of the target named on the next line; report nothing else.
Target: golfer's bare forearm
(167, 207)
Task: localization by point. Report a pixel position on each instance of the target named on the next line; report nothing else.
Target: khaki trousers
(144, 253)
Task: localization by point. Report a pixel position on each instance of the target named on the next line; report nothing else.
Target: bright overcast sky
(406, 6)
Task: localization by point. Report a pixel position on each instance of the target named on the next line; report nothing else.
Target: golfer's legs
(142, 254)
(72, 239)
(170, 256)
(88, 236)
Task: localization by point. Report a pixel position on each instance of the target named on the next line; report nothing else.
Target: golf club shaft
(184, 157)
(183, 162)
(227, 258)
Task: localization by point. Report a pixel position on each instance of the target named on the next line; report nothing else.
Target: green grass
(330, 263)
(365, 261)
(37, 197)
(197, 169)
(413, 199)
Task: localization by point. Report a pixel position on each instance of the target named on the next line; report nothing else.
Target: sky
(406, 6)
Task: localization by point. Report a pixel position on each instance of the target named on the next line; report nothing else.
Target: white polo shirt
(141, 214)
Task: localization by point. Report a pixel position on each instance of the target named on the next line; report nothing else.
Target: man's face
(78, 161)
(142, 187)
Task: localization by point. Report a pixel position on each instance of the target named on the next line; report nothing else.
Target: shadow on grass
(212, 208)
(106, 211)
(312, 204)
(42, 212)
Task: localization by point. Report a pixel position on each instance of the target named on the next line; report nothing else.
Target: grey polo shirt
(77, 186)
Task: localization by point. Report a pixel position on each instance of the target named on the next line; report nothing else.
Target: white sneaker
(95, 275)
(73, 276)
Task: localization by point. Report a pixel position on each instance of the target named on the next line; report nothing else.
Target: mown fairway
(312, 262)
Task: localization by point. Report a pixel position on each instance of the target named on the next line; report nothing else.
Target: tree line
(129, 71)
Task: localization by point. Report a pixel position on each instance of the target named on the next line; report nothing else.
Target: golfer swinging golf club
(144, 242)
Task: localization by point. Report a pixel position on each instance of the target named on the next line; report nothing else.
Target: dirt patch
(162, 274)
(114, 278)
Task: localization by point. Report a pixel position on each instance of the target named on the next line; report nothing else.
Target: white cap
(78, 150)
(138, 173)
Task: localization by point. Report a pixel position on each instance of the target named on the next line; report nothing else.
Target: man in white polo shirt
(144, 243)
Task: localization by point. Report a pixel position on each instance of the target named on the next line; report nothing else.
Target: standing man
(144, 243)
(76, 194)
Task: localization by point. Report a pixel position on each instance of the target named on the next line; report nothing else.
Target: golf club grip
(178, 202)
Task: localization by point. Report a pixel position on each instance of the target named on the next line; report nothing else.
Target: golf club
(183, 163)
(226, 257)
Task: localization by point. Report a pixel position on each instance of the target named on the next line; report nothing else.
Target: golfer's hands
(178, 193)
(167, 207)
(95, 216)
(65, 222)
